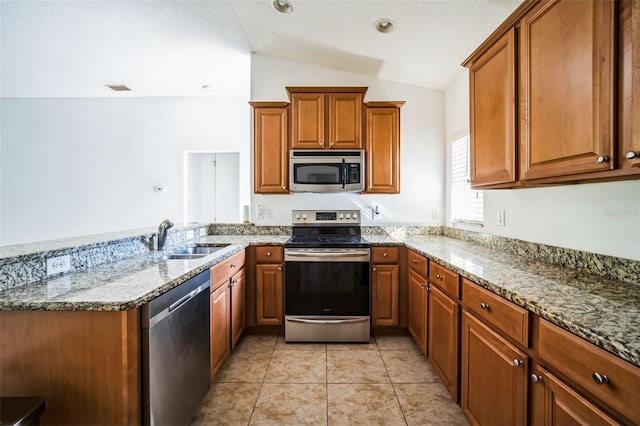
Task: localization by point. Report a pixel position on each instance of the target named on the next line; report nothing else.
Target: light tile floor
(267, 381)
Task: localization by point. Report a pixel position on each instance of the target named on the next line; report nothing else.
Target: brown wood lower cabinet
(227, 308)
(444, 338)
(269, 285)
(385, 283)
(555, 403)
(494, 376)
(418, 309)
(220, 327)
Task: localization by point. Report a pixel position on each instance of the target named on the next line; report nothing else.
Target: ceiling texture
(174, 48)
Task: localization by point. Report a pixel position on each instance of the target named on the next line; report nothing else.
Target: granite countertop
(603, 311)
(125, 284)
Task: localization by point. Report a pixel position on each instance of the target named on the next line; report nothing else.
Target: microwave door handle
(344, 173)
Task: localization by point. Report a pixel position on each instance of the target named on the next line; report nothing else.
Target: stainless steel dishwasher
(176, 353)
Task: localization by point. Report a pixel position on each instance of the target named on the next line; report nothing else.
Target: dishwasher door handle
(184, 299)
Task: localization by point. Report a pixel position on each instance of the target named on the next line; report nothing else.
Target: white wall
(77, 166)
(597, 217)
(421, 147)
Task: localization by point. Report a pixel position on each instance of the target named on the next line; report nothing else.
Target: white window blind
(466, 203)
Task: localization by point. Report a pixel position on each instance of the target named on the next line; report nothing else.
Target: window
(466, 203)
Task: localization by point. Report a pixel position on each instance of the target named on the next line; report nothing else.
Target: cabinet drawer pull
(414, 261)
(632, 154)
(535, 378)
(600, 379)
(268, 253)
(232, 266)
(484, 306)
(517, 362)
(438, 276)
(385, 254)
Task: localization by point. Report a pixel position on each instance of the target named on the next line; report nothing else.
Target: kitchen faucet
(162, 233)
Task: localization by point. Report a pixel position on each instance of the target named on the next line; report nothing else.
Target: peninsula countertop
(603, 311)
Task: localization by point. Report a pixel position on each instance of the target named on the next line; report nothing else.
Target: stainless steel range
(327, 283)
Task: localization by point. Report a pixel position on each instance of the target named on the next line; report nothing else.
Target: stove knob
(341, 216)
(297, 217)
(348, 216)
(304, 217)
(355, 216)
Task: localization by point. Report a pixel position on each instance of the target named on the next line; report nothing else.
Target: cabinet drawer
(580, 361)
(269, 254)
(418, 263)
(448, 281)
(384, 254)
(225, 269)
(505, 316)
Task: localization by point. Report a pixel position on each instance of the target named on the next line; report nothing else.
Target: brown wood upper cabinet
(577, 90)
(326, 117)
(492, 113)
(270, 144)
(383, 147)
(566, 88)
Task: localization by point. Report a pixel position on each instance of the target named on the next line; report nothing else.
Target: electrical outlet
(58, 265)
(268, 213)
(259, 212)
(501, 217)
(434, 214)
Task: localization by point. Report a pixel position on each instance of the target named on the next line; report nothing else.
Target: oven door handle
(342, 321)
(328, 254)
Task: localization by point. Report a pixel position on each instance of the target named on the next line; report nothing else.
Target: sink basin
(204, 250)
(183, 256)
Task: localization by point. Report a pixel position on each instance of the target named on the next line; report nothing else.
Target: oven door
(327, 294)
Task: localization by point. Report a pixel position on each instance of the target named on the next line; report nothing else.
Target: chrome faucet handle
(165, 224)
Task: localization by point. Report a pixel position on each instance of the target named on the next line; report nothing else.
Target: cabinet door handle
(279, 268)
(268, 253)
(600, 379)
(632, 154)
(517, 362)
(484, 306)
(602, 159)
(535, 378)
(374, 269)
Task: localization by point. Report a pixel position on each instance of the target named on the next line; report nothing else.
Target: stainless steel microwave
(326, 170)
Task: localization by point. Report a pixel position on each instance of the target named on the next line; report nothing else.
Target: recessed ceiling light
(385, 25)
(118, 87)
(282, 6)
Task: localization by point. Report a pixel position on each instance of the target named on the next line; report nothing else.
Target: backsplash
(27, 263)
(615, 268)
(18, 266)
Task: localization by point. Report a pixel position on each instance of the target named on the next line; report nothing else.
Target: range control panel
(325, 217)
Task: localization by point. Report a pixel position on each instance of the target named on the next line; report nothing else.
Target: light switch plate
(501, 217)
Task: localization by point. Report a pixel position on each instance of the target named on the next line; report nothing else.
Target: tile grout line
(404, 417)
(326, 380)
(255, 404)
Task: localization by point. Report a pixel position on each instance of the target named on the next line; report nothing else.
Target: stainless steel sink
(199, 250)
(183, 256)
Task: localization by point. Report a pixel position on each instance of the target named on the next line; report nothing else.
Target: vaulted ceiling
(173, 48)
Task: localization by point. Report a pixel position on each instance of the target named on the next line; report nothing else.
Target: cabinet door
(494, 377)
(345, 120)
(444, 338)
(383, 150)
(220, 312)
(566, 88)
(270, 150)
(269, 294)
(418, 310)
(555, 403)
(384, 303)
(492, 114)
(237, 287)
(629, 86)
(308, 124)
